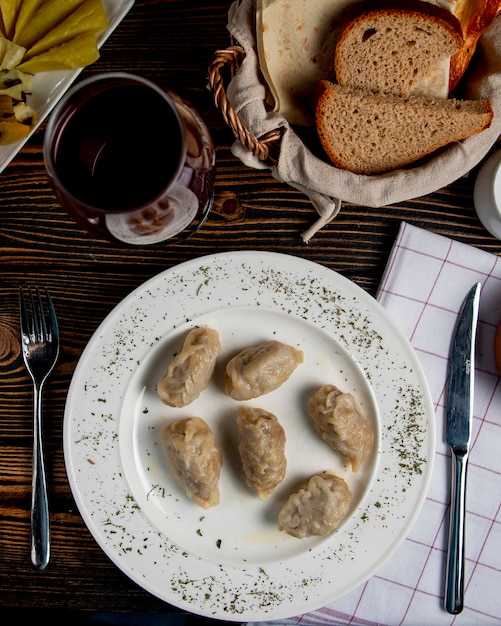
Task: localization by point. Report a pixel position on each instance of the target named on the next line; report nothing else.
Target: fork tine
(42, 316)
(37, 315)
(54, 328)
(25, 329)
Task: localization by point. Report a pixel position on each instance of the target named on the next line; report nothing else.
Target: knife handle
(454, 585)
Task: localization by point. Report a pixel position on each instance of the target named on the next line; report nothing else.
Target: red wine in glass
(129, 161)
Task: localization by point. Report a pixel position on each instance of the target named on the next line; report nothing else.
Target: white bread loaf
(392, 50)
(474, 16)
(369, 133)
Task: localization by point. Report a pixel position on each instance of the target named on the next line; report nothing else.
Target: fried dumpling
(317, 508)
(190, 371)
(262, 449)
(194, 458)
(341, 424)
(260, 369)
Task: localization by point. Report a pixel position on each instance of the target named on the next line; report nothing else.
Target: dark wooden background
(172, 44)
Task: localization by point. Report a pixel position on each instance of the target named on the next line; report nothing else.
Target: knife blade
(459, 414)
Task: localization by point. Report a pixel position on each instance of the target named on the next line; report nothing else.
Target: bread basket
(265, 148)
(265, 140)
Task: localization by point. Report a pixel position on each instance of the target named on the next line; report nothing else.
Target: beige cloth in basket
(326, 185)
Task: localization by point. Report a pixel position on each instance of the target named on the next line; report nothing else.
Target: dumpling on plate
(340, 423)
(317, 508)
(194, 459)
(262, 449)
(190, 371)
(260, 369)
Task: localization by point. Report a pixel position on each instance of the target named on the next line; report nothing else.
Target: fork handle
(40, 526)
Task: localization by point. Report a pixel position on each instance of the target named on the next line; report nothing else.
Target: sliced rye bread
(392, 49)
(369, 133)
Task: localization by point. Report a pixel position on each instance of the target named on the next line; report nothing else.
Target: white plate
(231, 562)
(49, 87)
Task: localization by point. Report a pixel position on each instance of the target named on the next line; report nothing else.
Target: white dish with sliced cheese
(46, 88)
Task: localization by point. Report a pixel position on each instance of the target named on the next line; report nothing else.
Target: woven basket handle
(266, 147)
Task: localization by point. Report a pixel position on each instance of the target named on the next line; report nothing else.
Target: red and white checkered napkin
(424, 285)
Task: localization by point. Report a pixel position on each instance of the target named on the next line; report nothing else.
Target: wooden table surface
(172, 44)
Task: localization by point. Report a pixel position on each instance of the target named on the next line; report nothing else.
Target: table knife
(458, 431)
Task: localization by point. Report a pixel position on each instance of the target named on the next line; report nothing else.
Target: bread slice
(374, 133)
(392, 50)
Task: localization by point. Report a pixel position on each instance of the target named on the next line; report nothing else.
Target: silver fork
(40, 347)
